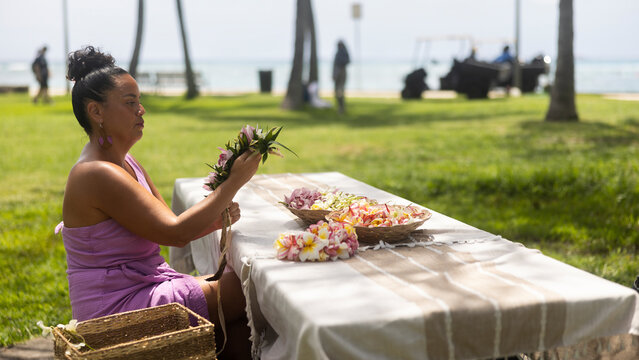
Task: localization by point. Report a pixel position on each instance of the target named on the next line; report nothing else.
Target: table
(456, 293)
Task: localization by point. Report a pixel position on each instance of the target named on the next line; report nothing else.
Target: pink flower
(302, 198)
(224, 157)
(249, 132)
(320, 242)
(287, 247)
(311, 247)
(212, 177)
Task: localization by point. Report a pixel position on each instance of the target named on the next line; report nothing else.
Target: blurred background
(230, 42)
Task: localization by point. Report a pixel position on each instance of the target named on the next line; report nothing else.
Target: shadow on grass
(361, 113)
(553, 138)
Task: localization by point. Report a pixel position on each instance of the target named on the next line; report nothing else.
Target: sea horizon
(375, 75)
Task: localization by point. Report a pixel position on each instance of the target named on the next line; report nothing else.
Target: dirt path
(37, 348)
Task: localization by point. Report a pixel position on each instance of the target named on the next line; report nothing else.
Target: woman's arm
(111, 190)
(216, 221)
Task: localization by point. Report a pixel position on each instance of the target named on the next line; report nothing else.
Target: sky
(246, 30)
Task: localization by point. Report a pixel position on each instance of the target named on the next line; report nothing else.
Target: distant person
(505, 56)
(414, 84)
(41, 71)
(339, 74)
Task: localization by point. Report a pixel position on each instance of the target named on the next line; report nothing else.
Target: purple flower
(224, 157)
(302, 198)
(212, 177)
(249, 132)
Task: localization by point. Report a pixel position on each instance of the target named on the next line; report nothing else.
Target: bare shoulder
(95, 173)
(88, 184)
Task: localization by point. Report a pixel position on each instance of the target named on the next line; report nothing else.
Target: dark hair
(94, 74)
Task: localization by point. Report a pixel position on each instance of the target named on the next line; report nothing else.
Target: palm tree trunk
(191, 91)
(133, 67)
(294, 91)
(313, 72)
(562, 96)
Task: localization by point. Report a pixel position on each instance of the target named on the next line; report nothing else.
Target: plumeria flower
(344, 251)
(286, 246)
(320, 242)
(324, 232)
(46, 330)
(71, 327)
(311, 247)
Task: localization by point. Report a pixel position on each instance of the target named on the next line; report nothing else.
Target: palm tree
(562, 96)
(133, 67)
(313, 72)
(191, 87)
(304, 26)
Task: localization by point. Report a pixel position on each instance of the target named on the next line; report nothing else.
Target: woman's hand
(244, 167)
(234, 211)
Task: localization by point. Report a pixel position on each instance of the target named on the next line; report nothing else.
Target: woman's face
(122, 111)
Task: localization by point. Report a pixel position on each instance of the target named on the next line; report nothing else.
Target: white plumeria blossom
(45, 329)
(324, 233)
(311, 247)
(72, 325)
(342, 252)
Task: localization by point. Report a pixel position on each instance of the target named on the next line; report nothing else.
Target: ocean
(372, 76)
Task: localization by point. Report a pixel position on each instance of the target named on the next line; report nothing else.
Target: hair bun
(86, 60)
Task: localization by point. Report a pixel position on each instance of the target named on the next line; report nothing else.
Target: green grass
(569, 189)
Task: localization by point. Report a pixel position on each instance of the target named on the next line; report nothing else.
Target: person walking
(41, 71)
(339, 74)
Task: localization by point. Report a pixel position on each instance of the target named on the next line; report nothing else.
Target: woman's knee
(231, 294)
(233, 300)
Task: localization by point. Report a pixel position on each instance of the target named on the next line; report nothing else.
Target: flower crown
(319, 242)
(252, 138)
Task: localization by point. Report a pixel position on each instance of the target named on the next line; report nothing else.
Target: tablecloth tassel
(255, 338)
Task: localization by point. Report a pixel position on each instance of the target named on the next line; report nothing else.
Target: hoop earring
(102, 135)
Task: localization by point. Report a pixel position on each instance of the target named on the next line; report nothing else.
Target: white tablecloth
(458, 293)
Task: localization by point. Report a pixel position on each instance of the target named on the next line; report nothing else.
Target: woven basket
(161, 332)
(390, 234)
(309, 216)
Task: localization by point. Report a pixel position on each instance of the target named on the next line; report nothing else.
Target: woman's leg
(238, 345)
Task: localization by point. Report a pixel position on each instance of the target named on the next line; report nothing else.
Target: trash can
(266, 81)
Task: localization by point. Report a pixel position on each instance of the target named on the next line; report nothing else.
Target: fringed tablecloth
(451, 291)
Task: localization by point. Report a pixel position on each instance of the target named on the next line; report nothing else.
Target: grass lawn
(569, 189)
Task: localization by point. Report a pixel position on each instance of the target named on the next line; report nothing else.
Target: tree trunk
(295, 92)
(562, 95)
(133, 67)
(191, 91)
(313, 72)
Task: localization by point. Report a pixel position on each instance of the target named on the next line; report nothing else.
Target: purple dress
(111, 270)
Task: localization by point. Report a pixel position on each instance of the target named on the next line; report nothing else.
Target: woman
(115, 219)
